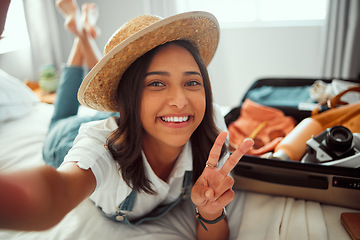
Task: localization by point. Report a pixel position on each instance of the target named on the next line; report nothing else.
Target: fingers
(222, 196)
(224, 199)
(223, 186)
(215, 151)
(215, 186)
(201, 195)
(235, 157)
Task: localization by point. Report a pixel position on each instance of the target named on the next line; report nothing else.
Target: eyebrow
(168, 74)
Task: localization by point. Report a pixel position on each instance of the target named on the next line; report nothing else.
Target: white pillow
(16, 99)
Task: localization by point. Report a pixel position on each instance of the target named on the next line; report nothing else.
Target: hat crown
(130, 28)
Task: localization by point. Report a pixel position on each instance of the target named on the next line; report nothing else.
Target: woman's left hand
(213, 189)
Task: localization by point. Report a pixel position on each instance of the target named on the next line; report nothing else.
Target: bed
(24, 121)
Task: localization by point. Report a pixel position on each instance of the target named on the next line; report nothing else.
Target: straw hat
(135, 38)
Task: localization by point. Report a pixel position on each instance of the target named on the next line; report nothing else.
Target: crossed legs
(84, 50)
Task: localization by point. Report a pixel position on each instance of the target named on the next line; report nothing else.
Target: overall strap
(164, 209)
(129, 202)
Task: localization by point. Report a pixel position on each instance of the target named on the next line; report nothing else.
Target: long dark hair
(125, 143)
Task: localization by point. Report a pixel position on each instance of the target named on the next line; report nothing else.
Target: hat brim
(98, 89)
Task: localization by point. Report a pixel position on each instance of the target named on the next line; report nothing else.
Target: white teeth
(175, 119)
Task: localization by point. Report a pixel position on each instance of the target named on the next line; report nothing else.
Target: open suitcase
(326, 184)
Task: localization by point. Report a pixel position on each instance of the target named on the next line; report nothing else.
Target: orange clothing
(266, 125)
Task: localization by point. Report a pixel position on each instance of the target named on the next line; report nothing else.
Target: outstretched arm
(213, 189)
(37, 199)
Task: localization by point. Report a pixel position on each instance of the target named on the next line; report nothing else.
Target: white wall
(244, 54)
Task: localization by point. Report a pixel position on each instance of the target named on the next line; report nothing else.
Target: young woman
(139, 166)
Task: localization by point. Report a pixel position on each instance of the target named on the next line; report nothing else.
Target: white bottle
(293, 146)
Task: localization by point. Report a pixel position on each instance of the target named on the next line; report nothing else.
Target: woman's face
(173, 100)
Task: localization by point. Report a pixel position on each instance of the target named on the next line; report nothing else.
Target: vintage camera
(334, 143)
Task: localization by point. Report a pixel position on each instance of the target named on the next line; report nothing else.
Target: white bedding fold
(282, 218)
(303, 220)
(262, 217)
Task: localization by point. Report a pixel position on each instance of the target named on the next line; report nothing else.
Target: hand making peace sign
(213, 189)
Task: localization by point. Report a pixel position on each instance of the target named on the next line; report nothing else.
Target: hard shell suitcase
(326, 184)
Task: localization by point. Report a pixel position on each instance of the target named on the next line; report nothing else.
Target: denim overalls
(128, 204)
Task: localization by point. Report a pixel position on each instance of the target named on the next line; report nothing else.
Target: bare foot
(69, 9)
(89, 17)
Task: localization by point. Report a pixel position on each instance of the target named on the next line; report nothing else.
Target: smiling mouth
(175, 119)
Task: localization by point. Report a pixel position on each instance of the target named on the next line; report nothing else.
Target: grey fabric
(341, 57)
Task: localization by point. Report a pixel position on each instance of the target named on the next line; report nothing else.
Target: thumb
(201, 195)
(208, 193)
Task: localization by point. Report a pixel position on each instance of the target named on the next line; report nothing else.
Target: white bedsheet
(21, 140)
(251, 215)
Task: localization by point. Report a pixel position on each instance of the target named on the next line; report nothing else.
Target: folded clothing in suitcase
(318, 182)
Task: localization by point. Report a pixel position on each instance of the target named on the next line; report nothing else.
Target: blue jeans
(65, 123)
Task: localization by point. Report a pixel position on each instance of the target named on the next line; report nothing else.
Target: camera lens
(339, 138)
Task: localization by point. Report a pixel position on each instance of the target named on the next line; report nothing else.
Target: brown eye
(193, 83)
(156, 84)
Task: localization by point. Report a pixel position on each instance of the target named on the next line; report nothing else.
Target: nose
(177, 97)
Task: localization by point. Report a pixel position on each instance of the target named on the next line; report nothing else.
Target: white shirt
(89, 151)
